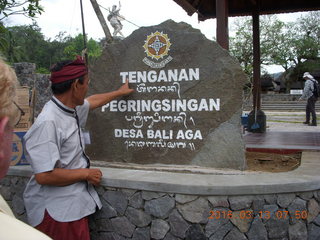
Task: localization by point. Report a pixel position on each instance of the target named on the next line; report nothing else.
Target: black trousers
(311, 110)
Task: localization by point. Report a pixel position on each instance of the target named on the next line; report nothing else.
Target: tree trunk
(102, 21)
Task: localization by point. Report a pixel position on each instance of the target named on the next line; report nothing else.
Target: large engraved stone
(186, 106)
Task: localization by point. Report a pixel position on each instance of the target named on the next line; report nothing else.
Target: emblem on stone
(157, 46)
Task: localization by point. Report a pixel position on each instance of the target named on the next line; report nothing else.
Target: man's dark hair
(59, 88)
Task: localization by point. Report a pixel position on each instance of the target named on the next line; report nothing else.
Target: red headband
(73, 70)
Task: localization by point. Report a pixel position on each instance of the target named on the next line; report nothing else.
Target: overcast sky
(64, 15)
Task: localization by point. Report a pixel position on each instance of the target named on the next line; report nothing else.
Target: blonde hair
(8, 84)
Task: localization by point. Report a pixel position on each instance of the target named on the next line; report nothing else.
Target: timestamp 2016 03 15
(249, 214)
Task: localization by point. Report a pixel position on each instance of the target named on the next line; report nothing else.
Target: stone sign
(186, 106)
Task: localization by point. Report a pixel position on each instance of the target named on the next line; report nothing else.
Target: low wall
(198, 204)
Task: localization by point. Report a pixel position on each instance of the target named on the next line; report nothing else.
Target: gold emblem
(157, 47)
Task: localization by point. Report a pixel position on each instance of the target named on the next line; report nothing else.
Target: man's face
(6, 134)
(82, 90)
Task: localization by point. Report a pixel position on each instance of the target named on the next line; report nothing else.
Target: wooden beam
(222, 23)
(256, 58)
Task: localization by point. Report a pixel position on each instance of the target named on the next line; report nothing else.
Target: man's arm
(99, 100)
(63, 177)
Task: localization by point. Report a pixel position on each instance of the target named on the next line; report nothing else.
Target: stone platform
(198, 203)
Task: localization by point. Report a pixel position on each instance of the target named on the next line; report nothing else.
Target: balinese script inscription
(146, 116)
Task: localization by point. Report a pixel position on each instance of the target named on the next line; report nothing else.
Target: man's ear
(3, 124)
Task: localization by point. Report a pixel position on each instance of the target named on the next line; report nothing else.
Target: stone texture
(117, 200)
(235, 234)
(196, 211)
(122, 226)
(277, 227)
(305, 195)
(160, 207)
(242, 219)
(284, 200)
(313, 232)
(159, 229)
(313, 210)
(169, 236)
(177, 224)
(220, 128)
(106, 212)
(141, 234)
(257, 204)
(215, 224)
(136, 200)
(296, 208)
(195, 232)
(146, 195)
(138, 217)
(257, 230)
(270, 198)
(182, 198)
(240, 202)
(298, 231)
(221, 232)
(219, 201)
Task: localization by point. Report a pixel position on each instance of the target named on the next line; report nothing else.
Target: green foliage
(27, 44)
(28, 8)
(284, 44)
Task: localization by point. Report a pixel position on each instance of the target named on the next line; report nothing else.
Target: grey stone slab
(169, 120)
(106, 211)
(182, 198)
(219, 201)
(218, 221)
(277, 227)
(313, 209)
(297, 209)
(240, 202)
(195, 232)
(138, 217)
(221, 232)
(235, 234)
(257, 230)
(178, 225)
(196, 211)
(305, 178)
(117, 200)
(122, 226)
(313, 232)
(242, 219)
(141, 234)
(298, 231)
(284, 200)
(136, 200)
(160, 207)
(159, 229)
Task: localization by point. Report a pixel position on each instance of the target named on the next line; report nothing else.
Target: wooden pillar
(222, 23)
(256, 58)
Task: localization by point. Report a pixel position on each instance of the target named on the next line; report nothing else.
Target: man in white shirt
(10, 227)
(60, 195)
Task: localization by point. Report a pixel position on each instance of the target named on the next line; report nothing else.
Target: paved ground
(289, 121)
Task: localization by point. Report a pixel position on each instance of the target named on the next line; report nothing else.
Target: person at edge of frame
(311, 99)
(10, 116)
(60, 195)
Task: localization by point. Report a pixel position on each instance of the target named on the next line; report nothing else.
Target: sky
(65, 16)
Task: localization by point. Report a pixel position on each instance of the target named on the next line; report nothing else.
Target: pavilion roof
(207, 8)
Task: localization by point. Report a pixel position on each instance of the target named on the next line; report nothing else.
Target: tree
(75, 47)
(28, 8)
